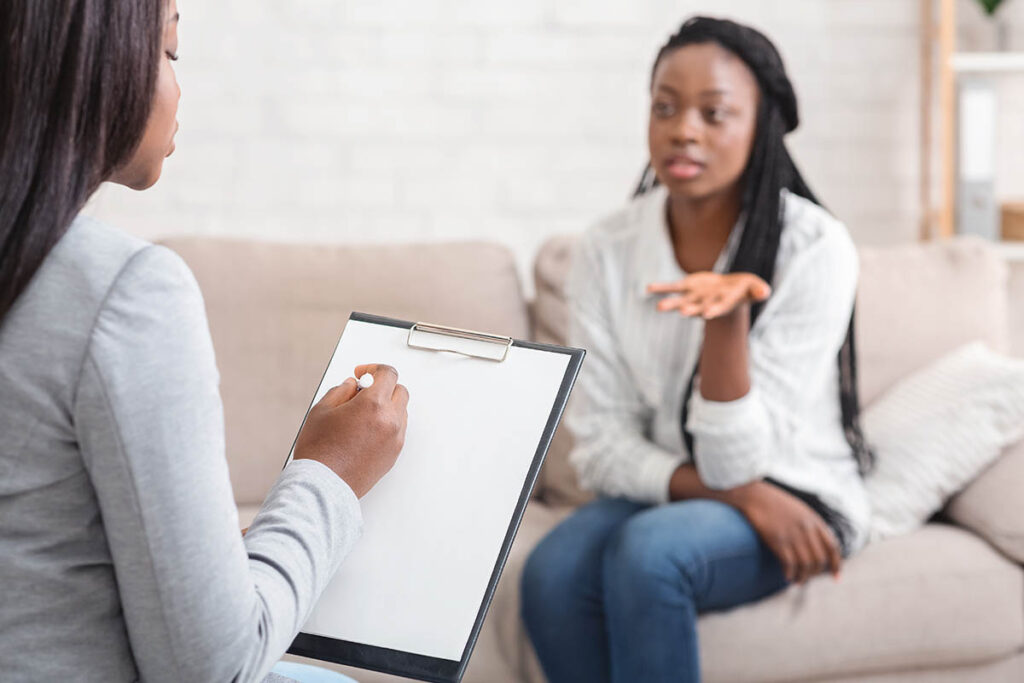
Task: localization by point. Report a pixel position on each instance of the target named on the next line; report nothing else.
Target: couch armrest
(992, 505)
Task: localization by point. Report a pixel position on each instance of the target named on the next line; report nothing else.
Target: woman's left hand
(711, 295)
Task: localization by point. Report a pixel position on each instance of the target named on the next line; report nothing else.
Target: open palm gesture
(710, 295)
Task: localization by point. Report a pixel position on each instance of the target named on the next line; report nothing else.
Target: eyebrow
(703, 93)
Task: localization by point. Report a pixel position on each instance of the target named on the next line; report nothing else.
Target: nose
(689, 128)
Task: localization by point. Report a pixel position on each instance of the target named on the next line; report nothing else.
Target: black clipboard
(417, 666)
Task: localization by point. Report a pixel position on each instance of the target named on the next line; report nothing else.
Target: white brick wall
(404, 120)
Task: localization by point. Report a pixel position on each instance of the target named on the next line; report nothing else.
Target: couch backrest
(915, 303)
(276, 311)
(918, 302)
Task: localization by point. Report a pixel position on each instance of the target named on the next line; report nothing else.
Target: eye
(663, 110)
(715, 114)
(173, 56)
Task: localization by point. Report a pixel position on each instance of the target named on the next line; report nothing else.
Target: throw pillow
(936, 430)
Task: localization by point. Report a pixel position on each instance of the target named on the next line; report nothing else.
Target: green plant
(990, 6)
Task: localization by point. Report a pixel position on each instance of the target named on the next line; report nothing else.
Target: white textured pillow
(938, 429)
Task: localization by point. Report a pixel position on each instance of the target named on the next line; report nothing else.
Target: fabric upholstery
(1017, 309)
(944, 596)
(276, 312)
(1002, 670)
(550, 324)
(936, 430)
(992, 505)
(918, 302)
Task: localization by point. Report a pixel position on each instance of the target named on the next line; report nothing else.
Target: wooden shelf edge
(1010, 250)
(987, 62)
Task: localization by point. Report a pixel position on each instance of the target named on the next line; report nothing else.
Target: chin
(697, 189)
(694, 190)
(147, 180)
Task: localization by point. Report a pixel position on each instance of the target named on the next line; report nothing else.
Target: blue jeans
(613, 593)
(307, 673)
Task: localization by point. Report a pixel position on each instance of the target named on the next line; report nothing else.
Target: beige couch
(941, 604)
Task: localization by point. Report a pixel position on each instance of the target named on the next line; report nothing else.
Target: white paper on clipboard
(434, 525)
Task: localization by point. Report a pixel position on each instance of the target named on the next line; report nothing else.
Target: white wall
(510, 120)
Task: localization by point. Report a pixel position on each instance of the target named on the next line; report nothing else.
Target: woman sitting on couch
(717, 413)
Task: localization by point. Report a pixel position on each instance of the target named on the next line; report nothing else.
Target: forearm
(686, 484)
(615, 460)
(724, 360)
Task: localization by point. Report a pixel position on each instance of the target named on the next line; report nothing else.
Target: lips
(683, 167)
(173, 146)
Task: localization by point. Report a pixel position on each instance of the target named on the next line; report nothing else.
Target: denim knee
(639, 556)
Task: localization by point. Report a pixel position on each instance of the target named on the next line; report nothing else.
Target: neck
(708, 219)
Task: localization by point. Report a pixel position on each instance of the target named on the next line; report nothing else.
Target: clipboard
(411, 597)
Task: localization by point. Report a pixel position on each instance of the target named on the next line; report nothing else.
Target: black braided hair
(769, 170)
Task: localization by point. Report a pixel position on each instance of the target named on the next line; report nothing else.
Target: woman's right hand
(358, 434)
(799, 537)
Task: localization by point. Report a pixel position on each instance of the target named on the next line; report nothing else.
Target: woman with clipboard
(717, 413)
(120, 556)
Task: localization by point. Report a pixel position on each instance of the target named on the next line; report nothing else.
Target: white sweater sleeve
(794, 344)
(607, 417)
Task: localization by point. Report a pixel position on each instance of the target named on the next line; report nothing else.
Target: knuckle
(394, 425)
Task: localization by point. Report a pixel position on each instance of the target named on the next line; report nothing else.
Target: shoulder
(98, 275)
(151, 324)
(814, 237)
(92, 260)
(88, 264)
(153, 291)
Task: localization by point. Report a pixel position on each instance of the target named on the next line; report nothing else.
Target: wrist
(744, 498)
(734, 320)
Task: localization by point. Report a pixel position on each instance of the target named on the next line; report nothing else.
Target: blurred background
(355, 121)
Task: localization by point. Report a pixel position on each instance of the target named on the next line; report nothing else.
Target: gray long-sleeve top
(120, 552)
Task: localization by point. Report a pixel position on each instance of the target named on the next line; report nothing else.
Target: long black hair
(769, 170)
(77, 80)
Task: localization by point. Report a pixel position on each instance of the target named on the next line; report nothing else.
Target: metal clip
(465, 342)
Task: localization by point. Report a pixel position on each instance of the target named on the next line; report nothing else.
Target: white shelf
(987, 62)
(1011, 251)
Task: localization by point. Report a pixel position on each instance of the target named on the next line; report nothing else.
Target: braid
(769, 171)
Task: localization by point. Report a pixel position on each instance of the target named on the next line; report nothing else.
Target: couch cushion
(504, 620)
(550, 313)
(1002, 670)
(247, 513)
(937, 430)
(918, 302)
(276, 311)
(1016, 295)
(992, 505)
(937, 597)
